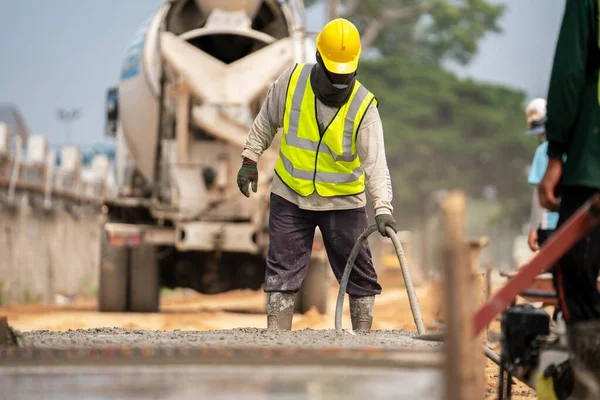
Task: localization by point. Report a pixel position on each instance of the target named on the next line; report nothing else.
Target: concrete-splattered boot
(280, 310)
(361, 312)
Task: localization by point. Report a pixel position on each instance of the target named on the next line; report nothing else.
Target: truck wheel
(144, 280)
(112, 288)
(315, 288)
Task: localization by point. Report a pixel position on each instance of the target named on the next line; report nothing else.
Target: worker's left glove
(383, 221)
(248, 174)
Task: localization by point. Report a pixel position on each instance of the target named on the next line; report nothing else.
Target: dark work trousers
(544, 235)
(576, 274)
(291, 234)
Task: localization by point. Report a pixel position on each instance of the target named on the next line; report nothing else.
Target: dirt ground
(187, 310)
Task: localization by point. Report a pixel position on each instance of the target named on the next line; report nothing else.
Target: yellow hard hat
(339, 46)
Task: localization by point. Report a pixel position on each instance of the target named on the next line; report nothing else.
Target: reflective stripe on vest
(327, 163)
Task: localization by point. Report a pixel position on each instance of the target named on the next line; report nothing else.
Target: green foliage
(430, 31)
(457, 27)
(442, 133)
(3, 292)
(29, 297)
(88, 288)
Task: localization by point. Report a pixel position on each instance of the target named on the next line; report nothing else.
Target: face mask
(340, 86)
(329, 93)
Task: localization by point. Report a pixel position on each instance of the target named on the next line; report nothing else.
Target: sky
(66, 53)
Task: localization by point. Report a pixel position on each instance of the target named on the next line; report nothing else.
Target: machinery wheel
(144, 280)
(315, 288)
(112, 288)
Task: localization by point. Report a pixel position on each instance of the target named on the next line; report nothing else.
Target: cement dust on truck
(194, 78)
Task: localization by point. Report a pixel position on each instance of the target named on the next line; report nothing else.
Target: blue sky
(66, 53)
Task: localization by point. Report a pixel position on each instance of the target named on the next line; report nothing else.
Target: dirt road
(187, 310)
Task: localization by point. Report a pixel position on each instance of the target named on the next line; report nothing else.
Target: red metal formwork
(559, 243)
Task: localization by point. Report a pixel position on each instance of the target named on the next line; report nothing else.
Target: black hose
(346, 275)
(431, 337)
(414, 304)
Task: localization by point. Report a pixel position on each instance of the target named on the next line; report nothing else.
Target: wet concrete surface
(240, 378)
(220, 383)
(192, 312)
(239, 338)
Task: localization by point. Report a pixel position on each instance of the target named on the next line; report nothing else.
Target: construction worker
(332, 151)
(542, 222)
(573, 129)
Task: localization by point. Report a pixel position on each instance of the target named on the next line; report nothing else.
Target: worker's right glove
(385, 220)
(248, 174)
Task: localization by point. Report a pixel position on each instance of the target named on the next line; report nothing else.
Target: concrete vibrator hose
(410, 289)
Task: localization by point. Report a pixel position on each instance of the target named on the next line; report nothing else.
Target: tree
(429, 31)
(442, 132)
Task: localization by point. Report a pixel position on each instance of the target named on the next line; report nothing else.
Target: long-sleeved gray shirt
(369, 146)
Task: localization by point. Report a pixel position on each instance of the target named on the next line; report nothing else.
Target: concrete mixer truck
(194, 78)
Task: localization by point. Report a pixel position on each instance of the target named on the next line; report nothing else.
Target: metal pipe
(489, 353)
(414, 303)
(539, 294)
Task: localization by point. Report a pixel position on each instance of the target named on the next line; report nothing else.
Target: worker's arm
(371, 151)
(536, 173)
(564, 95)
(537, 212)
(568, 75)
(269, 119)
(535, 221)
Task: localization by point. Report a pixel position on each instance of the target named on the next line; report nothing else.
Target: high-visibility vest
(327, 163)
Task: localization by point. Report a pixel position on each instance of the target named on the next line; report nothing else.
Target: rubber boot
(361, 312)
(280, 310)
(584, 346)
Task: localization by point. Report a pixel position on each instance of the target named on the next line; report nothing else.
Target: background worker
(332, 151)
(573, 129)
(542, 222)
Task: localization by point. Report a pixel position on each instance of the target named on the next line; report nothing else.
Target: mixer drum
(139, 85)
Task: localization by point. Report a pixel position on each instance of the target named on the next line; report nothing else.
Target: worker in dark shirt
(573, 129)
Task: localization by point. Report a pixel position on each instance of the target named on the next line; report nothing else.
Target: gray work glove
(248, 174)
(383, 221)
